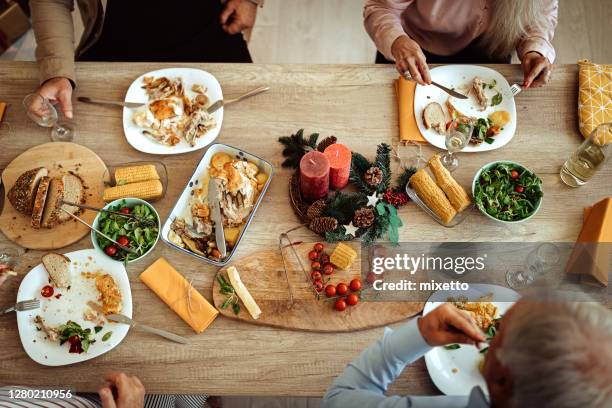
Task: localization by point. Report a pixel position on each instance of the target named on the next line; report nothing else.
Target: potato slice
(500, 118)
(219, 160)
(261, 178)
(231, 235)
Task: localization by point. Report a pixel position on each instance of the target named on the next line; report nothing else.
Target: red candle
(340, 165)
(314, 175)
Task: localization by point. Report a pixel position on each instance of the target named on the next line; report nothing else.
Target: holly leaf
(380, 208)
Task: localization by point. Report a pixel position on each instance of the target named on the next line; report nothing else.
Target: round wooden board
(59, 158)
(263, 276)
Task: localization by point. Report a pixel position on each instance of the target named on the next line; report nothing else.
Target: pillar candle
(340, 165)
(314, 175)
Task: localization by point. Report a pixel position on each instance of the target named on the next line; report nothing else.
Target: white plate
(70, 306)
(189, 76)
(457, 76)
(441, 362)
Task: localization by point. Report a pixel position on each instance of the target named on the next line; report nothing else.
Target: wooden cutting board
(263, 275)
(59, 158)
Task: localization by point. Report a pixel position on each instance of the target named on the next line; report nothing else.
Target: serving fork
(22, 306)
(220, 103)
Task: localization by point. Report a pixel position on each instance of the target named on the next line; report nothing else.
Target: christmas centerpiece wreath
(366, 209)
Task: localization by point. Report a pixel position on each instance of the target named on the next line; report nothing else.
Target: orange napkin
(593, 251)
(179, 295)
(409, 131)
(2, 110)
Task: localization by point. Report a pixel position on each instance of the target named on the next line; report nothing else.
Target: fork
(515, 89)
(22, 306)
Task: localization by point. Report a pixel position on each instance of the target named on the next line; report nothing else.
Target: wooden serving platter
(263, 275)
(59, 158)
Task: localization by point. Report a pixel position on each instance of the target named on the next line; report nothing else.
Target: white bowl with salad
(507, 192)
(139, 235)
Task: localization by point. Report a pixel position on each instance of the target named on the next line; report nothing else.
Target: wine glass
(457, 138)
(539, 261)
(43, 113)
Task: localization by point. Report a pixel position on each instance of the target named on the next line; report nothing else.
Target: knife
(449, 91)
(113, 103)
(126, 320)
(215, 211)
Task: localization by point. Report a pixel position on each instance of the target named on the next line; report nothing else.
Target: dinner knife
(220, 103)
(449, 91)
(215, 211)
(130, 105)
(119, 318)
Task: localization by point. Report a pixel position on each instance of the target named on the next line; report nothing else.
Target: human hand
(238, 16)
(122, 391)
(58, 90)
(537, 70)
(409, 58)
(446, 324)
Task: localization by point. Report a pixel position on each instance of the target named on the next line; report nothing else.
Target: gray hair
(559, 354)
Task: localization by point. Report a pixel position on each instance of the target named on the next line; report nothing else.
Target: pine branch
(342, 206)
(359, 165)
(383, 162)
(403, 178)
(296, 146)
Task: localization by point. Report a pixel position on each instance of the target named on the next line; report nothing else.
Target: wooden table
(357, 104)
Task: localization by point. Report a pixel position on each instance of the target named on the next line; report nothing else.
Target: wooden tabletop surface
(357, 104)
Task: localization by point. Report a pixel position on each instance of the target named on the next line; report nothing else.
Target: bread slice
(58, 268)
(23, 192)
(433, 116)
(73, 193)
(39, 201)
(53, 204)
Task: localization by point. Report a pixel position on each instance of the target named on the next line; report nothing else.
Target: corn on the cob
(144, 190)
(134, 174)
(343, 256)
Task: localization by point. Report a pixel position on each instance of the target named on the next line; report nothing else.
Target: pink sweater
(444, 27)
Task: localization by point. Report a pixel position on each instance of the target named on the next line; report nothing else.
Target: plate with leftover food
(240, 180)
(490, 107)
(76, 291)
(457, 368)
(174, 118)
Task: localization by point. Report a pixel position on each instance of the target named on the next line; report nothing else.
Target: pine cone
(325, 143)
(316, 209)
(363, 218)
(321, 225)
(373, 176)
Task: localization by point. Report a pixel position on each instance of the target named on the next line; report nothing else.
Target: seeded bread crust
(22, 194)
(39, 201)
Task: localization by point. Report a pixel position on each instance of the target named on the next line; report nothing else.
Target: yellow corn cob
(343, 256)
(134, 174)
(144, 190)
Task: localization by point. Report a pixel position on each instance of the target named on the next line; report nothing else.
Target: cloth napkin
(2, 110)
(179, 295)
(594, 95)
(593, 250)
(408, 128)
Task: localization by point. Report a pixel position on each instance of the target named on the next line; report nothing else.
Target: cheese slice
(243, 293)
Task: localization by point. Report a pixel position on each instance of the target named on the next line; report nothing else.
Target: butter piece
(243, 293)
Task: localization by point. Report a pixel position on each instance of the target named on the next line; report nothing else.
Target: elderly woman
(413, 33)
(548, 353)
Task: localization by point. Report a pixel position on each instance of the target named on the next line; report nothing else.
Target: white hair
(559, 354)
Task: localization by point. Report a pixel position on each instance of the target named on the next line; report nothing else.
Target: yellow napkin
(594, 95)
(179, 295)
(2, 110)
(593, 250)
(409, 130)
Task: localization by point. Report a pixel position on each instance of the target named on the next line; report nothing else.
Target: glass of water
(457, 137)
(539, 261)
(43, 113)
(589, 157)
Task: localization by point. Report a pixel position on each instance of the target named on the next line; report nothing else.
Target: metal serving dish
(181, 208)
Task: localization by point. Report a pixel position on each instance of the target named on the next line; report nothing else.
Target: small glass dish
(457, 219)
(110, 181)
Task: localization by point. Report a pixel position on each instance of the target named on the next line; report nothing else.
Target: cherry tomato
(318, 247)
(328, 269)
(341, 289)
(316, 275)
(74, 339)
(316, 265)
(124, 210)
(340, 305)
(313, 255)
(355, 285)
(324, 259)
(371, 277)
(110, 250)
(514, 174)
(123, 240)
(318, 285)
(47, 291)
(519, 188)
(352, 299)
(330, 290)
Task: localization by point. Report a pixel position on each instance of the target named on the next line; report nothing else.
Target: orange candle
(339, 165)
(314, 175)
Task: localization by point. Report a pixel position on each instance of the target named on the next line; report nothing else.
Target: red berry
(324, 259)
(330, 291)
(519, 188)
(352, 299)
(110, 250)
(316, 275)
(318, 247)
(328, 269)
(371, 277)
(315, 265)
(123, 240)
(318, 285)
(313, 255)
(340, 305)
(355, 285)
(124, 210)
(341, 289)
(514, 174)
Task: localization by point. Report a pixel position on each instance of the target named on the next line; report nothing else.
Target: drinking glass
(589, 157)
(43, 113)
(538, 262)
(457, 137)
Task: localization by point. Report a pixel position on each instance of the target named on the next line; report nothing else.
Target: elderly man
(547, 354)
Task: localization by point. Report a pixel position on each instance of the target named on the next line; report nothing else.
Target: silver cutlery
(220, 103)
(130, 250)
(143, 221)
(449, 91)
(22, 306)
(126, 320)
(215, 212)
(131, 105)
(515, 89)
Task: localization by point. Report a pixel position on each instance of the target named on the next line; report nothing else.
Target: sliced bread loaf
(39, 201)
(73, 193)
(58, 268)
(23, 193)
(53, 204)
